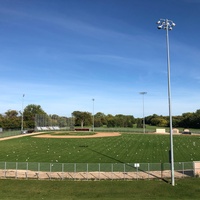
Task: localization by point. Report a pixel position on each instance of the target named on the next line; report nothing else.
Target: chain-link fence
(9, 133)
(96, 171)
(53, 122)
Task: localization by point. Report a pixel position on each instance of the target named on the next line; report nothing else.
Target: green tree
(100, 119)
(54, 119)
(62, 122)
(186, 120)
(139, 123)
(29, 115)
(149, 118)
(11, 113)
(197, 119)
(176, 121)
(110, 120)
(129, 121)
(119, 120)
(124, 120)
(159, 121)
(82, 118)
(1, 120)
(11, 120)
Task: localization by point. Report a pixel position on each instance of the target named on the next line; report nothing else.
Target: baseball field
(80, 147)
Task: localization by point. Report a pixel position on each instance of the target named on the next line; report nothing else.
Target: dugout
(186, 131)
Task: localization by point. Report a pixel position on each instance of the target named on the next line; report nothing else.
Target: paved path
(28, 174)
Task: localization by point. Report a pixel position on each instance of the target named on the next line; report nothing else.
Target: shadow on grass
(129, 165)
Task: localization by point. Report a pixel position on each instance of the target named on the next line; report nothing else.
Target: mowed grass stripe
(186, 148)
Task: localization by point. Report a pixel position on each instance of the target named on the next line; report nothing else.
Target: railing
(94, 171)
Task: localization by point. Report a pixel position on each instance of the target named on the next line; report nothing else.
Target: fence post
(27, 170)
(50, 171)
(87, 171)
(74, 170)
(16, 170)
(5, 170)
(112, 171)
(99, 170)
(124, 170)
(62, 170)
(38, 170)
(137, 172)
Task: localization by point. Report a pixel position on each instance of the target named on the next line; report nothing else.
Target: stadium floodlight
(168, 25)
(173, 24)
(93, 116)
(159, 27)
(143, 93)
(158, 22)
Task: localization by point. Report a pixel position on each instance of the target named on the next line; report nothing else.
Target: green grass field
(141, 148)
(185, 189)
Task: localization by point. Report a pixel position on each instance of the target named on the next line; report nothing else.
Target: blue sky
(63, 53)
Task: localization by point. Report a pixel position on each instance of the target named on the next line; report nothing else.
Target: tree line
(186, 120)
(100, 119)
(12, 119)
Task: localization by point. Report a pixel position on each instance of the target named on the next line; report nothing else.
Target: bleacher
(47, 128)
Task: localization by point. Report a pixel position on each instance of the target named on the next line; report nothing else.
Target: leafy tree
(156, 120)
(197, 120)
(100, 119)
(11, 120)
(82, 118)
(149, 118)
(186, 120)
(29, 114)
(119, 120)
(129, 121)
(176, 121)
(1, 119)
(110, 120)
(54, 119)
(139, 123)
(11, 113)
(124, 120)
(194, 119)
(62, 122)
(159, 121)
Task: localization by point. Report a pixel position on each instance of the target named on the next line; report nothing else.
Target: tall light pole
(168, 25)
(22, 113)
(143, 93)
(93, 115)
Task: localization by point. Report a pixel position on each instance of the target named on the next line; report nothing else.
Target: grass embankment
(120, 190)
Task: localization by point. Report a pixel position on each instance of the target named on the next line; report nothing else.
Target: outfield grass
(185, 189)
(141, 148)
